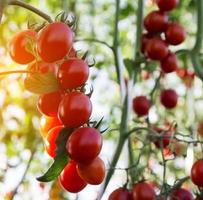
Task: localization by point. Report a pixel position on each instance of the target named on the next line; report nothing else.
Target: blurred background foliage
(21, 146)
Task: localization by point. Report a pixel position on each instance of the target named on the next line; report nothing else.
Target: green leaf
(130, 66)
(41, 83)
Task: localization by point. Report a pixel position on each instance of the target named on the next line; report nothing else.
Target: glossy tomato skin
(167, 5)
(197, 173)
(18, 45)
(47, 123)
(120, 194)
(156, 49)
(93, 173)
(54, 42)
(50, 142)
(70, 180)
(170, 63)
(181, 194)
(75, 109)
(141, 105)
(48, 104)
(84, 145)
(175, 34)
(155, 22)
(169, 98)
(143, 191)
(73, 73)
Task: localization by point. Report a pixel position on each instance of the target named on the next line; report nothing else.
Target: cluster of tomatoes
(51, 51)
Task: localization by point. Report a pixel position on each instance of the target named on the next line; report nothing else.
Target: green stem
(31, 8)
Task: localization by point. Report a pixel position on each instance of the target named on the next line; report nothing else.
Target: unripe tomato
(84, 144)
(200, 129)
(156, 22)
(93, 173)
(48, 104)
(141, 105)
(120, 194)
(70, 180)
(169, 98)
(50, 142)
(73, 73)
(47, 123)
(175, 34)
(180, 194)
(75, 109)
(156, 49)
(54, 41)
(143, 191)
(167, 5)
(197, 173)
(18, 47)
(170, 63)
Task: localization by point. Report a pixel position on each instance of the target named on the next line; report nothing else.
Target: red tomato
(75, 109)
(47, 123)
(93, 173)
(144, 40)
(84, 144)
(18, 47)
(156, 22)
(169, 63)
(197, 173)
(167, 5)
(143, 191)
(54, 41)
(200, 129)
(48, 103)
(181, 194)
(120, 194)
(70, 180)
(169, 98)
(50, 144)
(156, 49)
(73, 73)
(141, 105)
(175, 34)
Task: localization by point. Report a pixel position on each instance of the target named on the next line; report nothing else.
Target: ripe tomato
(48, 103)
(156, 22)
(200, 129)
(167, 5)
(70, 180)
(180, 194)
(141, 105)
(143, 191)
(144, 40)
(93, 173)
(54, 42)
(84, 144)
(50, 144)
(169, 98)
(47, 123)
(73, 73)
(75, 109)
(170, 63)
(156, 49)
(175, 34)
(18, 47)
(197, 173)
(120, 194)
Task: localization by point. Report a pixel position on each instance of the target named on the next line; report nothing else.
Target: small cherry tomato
(18, 47)
(75, 109)
(144, 40)
(54, 42)
(167, 5)
(156, 22)
(181, 194)
(93, 173)
(143, 191)
(70, 180)
(175, 34)
(169, 98)
(200, 128)
(141, 105)
(170, 63)
(197, 173)
(73, 73)
(84, 144)
(120, 194)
